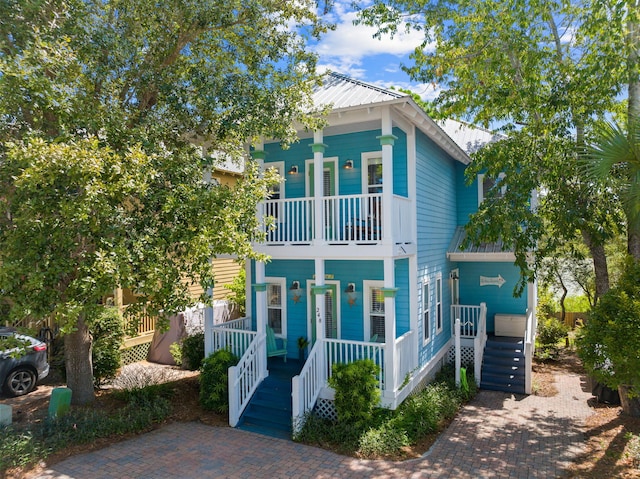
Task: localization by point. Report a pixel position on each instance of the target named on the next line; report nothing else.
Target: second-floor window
(486, 184)
(276, 192)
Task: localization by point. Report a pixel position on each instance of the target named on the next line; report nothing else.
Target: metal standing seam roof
(494, 250)
(341, 91)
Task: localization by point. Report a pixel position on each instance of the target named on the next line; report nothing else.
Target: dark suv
(23, 361)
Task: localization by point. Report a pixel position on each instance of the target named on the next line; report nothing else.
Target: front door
(330, 319)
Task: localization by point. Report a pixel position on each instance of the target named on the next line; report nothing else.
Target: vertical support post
(233, 398)
(318, 187)
(320, 314)
(387, 140)
(296, 404)
(389, 291)
(208, 327)
(458, 351)
(261, 309)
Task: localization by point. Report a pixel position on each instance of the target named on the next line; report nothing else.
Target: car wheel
(20, 382)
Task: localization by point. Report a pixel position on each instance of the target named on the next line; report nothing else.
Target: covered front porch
(311, 382)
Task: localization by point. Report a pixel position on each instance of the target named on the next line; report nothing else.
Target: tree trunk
(600, 267)
(630, 405)
(633, 243)
(77, 359)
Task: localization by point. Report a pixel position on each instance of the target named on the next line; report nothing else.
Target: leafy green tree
(101, 104)
(536, 68)
(610, 340)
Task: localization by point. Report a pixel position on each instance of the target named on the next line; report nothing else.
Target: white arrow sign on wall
(492, 281)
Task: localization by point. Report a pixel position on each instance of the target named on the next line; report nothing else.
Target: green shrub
(108, 335)
(385, 440)
(175, 349)
(609, 342)
(357, 393)
(214, 380)
(192, 351)
(550, 332)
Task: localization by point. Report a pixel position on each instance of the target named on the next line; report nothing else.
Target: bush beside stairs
(503, 365)
(269, 411)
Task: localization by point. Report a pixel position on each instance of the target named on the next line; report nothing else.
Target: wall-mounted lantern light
(293, 170)
(348, 165)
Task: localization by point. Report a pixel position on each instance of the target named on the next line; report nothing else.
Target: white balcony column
(387, 140)
(318, 149)
(389, 291)
(319, 290)
(258, 155)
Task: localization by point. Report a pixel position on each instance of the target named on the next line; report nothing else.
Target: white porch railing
(353, 218)
(529, 349)
(469, 317)
(306, 387)
(470, 322)
(232, 335)
(345, 352)
(245, 377)
(405, 359)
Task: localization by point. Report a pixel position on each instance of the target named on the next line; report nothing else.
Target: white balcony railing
(345, 219)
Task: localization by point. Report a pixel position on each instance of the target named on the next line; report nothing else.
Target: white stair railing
(245, 377)
(529, 346)
(306, 387)
(469, 317)
(479, 343)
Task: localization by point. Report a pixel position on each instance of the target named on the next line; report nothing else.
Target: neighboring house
(226, 268)
(365, 259)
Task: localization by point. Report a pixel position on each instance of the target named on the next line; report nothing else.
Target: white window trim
(283, 288)
(364, 158)
(367, 285)
(438, 304)
(503, 189)
(426, 326)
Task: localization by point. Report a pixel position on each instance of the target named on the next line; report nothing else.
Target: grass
(390, 433)
(143, 407)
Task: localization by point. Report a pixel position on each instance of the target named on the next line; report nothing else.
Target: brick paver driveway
(496, 435)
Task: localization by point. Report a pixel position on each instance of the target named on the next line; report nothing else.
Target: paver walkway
(495, 436)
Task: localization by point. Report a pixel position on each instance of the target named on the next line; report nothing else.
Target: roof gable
(340, 91)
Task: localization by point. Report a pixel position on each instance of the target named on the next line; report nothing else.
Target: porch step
(503, 365)
(269, 411)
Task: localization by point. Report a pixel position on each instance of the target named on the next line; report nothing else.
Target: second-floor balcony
(338, 220)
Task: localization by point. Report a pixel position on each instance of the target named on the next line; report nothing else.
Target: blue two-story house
(363, 235)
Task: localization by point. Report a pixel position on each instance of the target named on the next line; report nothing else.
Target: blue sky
(353, 51)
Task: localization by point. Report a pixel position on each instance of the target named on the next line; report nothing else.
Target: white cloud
(349, 44)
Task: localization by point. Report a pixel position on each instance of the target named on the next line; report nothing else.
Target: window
(372, 172)
(486, 184)
(426, 313)
(438, 304)
(374, 312)
(276, 192)
(276, 315)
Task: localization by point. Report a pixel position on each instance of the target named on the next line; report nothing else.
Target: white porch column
(319, 291)
(318, 149)
(389, 291)
(387, 140)
(260, 287)
(258, 155)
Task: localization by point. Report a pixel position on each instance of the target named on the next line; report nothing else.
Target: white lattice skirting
(466, 355)
(326, 409)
